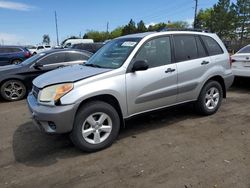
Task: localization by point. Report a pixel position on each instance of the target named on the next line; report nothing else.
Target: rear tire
(210, 98)
(96, 126)
(13, 90)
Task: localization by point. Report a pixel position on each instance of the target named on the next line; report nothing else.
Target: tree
(243, 13)
(157, 27)
(46, 39)
(130, 28)
(141, 27)
(97, 36)
(223, 17)
(178, 25)
(116, 33)
(204, 19)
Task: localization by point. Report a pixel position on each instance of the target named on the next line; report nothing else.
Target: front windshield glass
(32, 59)
(113, 54)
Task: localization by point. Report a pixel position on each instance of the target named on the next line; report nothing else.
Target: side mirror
(139, 66)
(38, 66)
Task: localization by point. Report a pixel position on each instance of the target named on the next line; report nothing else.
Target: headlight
(55, 92)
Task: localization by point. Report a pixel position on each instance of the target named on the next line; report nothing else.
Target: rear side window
(73, 56)
(156, 52)
(185, 48)
(212, 46)
(53, 58)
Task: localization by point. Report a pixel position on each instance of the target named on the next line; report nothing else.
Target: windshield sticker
(129, 44)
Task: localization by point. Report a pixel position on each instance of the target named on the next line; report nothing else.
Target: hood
(9, 67)
(67, 74)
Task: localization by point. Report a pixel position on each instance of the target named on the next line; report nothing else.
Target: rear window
(75, 56)
(212, 46)
(244, 50)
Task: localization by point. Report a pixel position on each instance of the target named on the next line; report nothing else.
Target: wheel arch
(221, 82)
(110, 99)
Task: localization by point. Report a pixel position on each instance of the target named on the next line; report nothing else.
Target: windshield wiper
(93, 65)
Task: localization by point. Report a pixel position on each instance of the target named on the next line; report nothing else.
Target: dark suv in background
(13, 54)
(90, 47)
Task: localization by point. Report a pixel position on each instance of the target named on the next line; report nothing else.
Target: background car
(90, 47)
(16, 80)
(241, 62)
(13, 54)
(39, 49)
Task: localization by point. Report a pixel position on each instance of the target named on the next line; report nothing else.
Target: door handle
(204, 62)
(169, 70)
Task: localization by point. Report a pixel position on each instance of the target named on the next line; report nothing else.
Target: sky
(24, 22)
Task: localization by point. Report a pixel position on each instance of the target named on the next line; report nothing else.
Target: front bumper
(52, 119)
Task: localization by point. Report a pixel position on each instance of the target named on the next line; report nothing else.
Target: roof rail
(184, 29)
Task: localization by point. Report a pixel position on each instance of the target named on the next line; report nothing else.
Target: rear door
(192, 61)
(5, 55)
(155, 87)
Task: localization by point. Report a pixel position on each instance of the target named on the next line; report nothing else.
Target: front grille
(35, 91)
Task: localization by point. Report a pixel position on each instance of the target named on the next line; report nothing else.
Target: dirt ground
(170, 148)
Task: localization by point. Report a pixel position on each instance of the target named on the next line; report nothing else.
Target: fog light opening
(52, 125)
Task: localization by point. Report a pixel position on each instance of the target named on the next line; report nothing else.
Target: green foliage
(243, 13)
(130, 28)
(116, 33)
(46, 39)
(141, 28)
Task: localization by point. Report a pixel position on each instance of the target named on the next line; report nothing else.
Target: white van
(70, 42)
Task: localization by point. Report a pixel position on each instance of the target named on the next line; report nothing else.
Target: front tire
(96, 126)
(16, 61)
(13, 90)
(210, 98)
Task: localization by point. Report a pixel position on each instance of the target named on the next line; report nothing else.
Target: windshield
(32, 59)
(244, 50)
(113, 54)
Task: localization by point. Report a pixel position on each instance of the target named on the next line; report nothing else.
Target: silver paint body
(138, 92)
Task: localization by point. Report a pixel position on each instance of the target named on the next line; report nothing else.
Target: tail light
(27, 54)
(231, 61)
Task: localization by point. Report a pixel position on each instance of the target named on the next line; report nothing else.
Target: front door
(155, 87)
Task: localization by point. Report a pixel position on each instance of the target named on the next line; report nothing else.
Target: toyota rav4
(131, 75)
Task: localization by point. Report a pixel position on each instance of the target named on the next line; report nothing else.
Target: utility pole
(195, 13)
(107, 27)
(56, 29)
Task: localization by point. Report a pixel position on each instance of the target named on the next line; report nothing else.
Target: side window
(212, 46)
(200, 47)
(73, 56)
(15, 50)
(185, 47)
(156, 52)
(53, 58)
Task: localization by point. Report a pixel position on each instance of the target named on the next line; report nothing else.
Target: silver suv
(131, 75)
